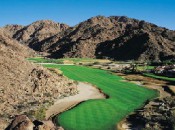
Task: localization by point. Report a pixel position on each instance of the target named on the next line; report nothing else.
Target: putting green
(103, 114)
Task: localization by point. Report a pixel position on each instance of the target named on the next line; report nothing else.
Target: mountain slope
(137, 45)
(119, 38)
(26, 88)
(32, 34)
(12, 29)
(115, 37)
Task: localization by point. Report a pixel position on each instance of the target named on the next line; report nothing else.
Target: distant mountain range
(115, 37)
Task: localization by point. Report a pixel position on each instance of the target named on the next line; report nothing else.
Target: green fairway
(159, 77)
(102, 114)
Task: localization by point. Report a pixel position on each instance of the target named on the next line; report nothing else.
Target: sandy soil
(86, 92)
(172, 88)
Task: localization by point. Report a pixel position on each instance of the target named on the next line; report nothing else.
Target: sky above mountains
(71, 12)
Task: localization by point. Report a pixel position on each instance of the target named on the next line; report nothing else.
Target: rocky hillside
(115, 37)
(32, 34)
(12, 29)
(24, 87)
(119, 38)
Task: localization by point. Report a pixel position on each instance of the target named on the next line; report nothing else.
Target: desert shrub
(38, 114)
(96, 63)
(59, 62)
(47, 94)
(34, 103)
(56, 71)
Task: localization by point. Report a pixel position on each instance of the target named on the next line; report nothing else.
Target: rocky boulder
(21, 122)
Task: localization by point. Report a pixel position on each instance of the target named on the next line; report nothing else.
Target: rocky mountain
(38, 31)
(9, 46)
(118, 38)
(12, 29)
(26, 88)
(115, 37)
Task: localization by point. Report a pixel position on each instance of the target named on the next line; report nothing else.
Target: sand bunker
(86, 92)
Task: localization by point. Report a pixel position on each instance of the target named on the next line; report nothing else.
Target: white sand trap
(86, 92)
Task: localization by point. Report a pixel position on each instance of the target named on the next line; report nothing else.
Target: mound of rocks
(22, 122)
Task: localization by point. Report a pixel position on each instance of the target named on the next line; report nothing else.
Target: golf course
(159, 77)
(124, 98)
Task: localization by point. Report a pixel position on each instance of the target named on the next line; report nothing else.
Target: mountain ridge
(86, 39)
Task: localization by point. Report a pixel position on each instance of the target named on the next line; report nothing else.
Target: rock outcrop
(22, 122)
(26, 88)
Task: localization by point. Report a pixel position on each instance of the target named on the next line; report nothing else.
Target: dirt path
(86, 92)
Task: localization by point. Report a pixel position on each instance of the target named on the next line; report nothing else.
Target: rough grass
(43, 60)
(65, 60)
(143, 68)
(102, 114)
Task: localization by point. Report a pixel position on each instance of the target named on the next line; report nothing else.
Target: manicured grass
(143, 68)
(159, 77)
(102, 114)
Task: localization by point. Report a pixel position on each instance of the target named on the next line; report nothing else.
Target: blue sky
(71, 12)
